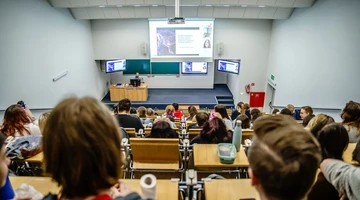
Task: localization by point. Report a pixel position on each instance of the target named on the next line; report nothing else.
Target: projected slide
(228, 66)
(194, 67)
(192, 39)
(115, 65)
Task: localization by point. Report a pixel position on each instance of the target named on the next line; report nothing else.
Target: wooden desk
(165, 189)
(133, 93)
(36, 159)
(230, 189)
(347, 155)
(205, 155)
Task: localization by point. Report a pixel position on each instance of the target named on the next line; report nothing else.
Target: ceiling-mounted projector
(176, 20)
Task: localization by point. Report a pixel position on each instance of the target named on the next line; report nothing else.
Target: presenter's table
(133, 93)
(165, 189)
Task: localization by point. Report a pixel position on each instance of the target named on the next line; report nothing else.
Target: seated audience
(318, 122)
(192, 112)
(286, 111)
(333, 139)
(162, 129)
(177, 112)
(283, 158)
(133, 111)
(245, 122)
(42, 119)
(150, 112)
(255, 113)
(240, 108)
(91, 139)
(307, 119)
(247, 110)
(169, 111)
(351, 120)
(305, 111)
(221, 109)
(275, 111)
(19, 122)
(201, 118)
(343, 176)
(125, 119)
(291, 108)
(214, 131)
(141, 112)
(167, 119)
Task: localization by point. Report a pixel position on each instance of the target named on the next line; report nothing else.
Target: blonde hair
(320, 118)
(42, 119)
(169, 108)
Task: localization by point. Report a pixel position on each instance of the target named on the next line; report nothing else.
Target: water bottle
(237, 136)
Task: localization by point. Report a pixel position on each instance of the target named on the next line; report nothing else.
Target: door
(269, 98)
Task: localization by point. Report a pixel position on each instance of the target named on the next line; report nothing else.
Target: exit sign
(272, 77)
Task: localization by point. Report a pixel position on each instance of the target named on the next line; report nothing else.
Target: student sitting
(333, 139)
(318, 122)
(255, 113)
(305, 111)
(201, 118)
(169, 111)
(247, 110)
(162, 129)
(351, 120)
(283, 158)
(192, 111)
(245, 122)
(307, 119)
(177, 112)
(150, 112)
(42, 119)
(19, 122)
(125, 119)
(141, 112)
(240, 108)
(221, 109)
(214, 131)
(286, 111)
(275, 111)
(81, 144)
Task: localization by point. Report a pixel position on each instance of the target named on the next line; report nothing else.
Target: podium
(133, 93)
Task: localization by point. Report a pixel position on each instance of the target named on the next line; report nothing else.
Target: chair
(155, 155)
(188, 123)
(246, 134)
(193, 132)
(177, 124)
(131, 132)
(176, 120)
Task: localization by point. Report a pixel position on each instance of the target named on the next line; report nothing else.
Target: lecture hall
(179, 99)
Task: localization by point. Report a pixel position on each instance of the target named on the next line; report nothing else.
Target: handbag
(24, 147)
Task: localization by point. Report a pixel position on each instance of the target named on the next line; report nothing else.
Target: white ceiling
(122, 9)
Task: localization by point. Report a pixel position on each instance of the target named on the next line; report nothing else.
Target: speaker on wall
(144, 48)
(220, 48)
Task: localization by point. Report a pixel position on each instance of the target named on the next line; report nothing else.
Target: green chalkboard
(141, 66)
(165, 68)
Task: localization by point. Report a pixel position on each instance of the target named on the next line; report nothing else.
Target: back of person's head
(162, 129)
(201, 118)
(245, 122)
(14, 120)
(308, 110)
(307, 119)
(176, 106)
(240, 105)
(318, 122)
(286, 111)
(141, 111)
(193, 111)
(334, 140)
(133, 110)
(283, 158)
(149, 112)
(290, 107)
(275, 111)
(169, 108)
(189, 107)
(351, 113)
(214, 131)
(220, 108)
(81, 144)
(247, 106)
(124, 105)
(42, 119)
(255, 113)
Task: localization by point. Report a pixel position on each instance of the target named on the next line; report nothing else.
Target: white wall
(39, 42)
(314, 55)
(243, 39)
(248, 40)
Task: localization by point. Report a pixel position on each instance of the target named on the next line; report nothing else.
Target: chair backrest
(155, 150)
(177, 120)
(131, 132)
(246, 134)
(188, 123)
(147, 131)
(193, 132)
(177, 124)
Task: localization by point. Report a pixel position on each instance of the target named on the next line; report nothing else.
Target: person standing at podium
(137, 75)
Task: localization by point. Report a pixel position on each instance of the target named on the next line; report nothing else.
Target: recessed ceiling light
(154, 5)
(226, 5)
(244, 6)
(137, 5)
(208, 5)
(118, 5)
(261, 6)
(102, 6)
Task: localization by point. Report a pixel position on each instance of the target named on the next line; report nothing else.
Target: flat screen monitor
(194, 67)
(112, 66)
(136, 82)
(228, 66)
